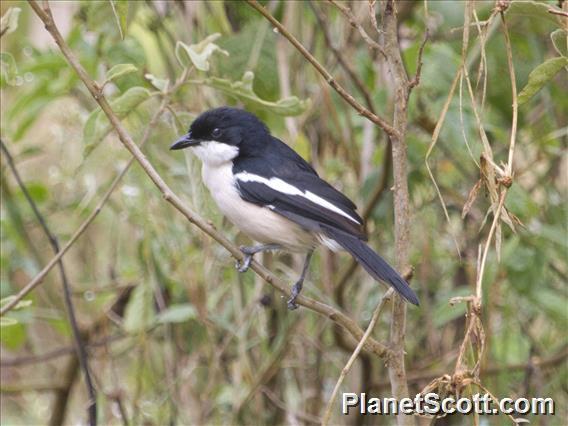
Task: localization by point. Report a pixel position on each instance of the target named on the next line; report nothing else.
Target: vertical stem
(396, 368)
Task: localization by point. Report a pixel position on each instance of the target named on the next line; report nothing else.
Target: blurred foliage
(176, 335)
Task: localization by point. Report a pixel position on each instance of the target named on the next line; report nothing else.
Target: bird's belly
(259, 223)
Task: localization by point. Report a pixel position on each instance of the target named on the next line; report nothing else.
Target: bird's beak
(184, 142)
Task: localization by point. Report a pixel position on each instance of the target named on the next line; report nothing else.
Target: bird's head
(220, 134)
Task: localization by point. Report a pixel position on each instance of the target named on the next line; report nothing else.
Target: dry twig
(53, 241)
(386, 297)
(379, 121)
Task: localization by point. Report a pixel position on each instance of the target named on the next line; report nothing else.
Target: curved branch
(340, 318)
(379, 121)
(77, 338)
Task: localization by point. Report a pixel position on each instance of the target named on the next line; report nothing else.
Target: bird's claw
(296, 288)
(245, 264)
(292, 305)
(247, 259)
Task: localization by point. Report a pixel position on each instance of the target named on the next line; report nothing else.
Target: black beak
(184, 142)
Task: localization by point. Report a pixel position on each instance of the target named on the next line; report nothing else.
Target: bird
(272, 195)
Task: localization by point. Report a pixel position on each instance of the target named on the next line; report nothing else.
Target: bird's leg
(297, 288)
(249, 252)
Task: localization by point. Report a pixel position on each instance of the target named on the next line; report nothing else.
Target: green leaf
(560, 41)
(266, 82)
(120, 10)
(97, 125)
(8, 68)
(20, 305)
(198, 54)
(243, 91)
(177, 313)
(540, 76)
(531, 9)
(159, 83)
(139, 313)
(9, 21)
(119, 70)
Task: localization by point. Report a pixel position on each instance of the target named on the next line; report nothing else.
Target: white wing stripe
(285, 188)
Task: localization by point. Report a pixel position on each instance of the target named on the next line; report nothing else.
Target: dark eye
(216, 132)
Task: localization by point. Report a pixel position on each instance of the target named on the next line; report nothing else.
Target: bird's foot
(245, 264)
(296, 289)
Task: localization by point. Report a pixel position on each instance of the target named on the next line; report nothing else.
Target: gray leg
(297, 288)
(249, 252)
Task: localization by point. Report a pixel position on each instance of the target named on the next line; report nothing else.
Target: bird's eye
(216, 132)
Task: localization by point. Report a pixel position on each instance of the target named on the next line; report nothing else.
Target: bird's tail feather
(374, 264)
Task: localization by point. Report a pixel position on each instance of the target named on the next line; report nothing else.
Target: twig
(481, 270)
(509, 167)
(324, 27)
(56, 353)
(280, 404)
(321, 308)
(353, 21)
(396, 367)
(558, 12)
(63, 394)
(79, 345)
(552, 361)
(379, 121)
(386, 297)
(416, 79)
(38, 279)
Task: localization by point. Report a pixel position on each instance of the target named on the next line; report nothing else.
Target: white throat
(214, 154)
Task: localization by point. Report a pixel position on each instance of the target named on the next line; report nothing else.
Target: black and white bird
(275, 197)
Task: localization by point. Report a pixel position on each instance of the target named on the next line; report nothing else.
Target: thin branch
(558, 12)
(63, 395)
(38, 279)
(77, 338)
(55, 353)
(543, 363)
(353, 21)
(340, 318)
(481, 270)
(386, 297)
(282, 405)
(416, 79)
(509, 168)
(379, 121)
(324, 27)
(396, 365)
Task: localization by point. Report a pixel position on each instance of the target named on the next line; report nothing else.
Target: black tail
(374, 264)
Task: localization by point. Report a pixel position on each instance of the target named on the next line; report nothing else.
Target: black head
(226, 125)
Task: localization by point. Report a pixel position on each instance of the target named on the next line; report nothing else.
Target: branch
(382, 123)
(353, 21)
(543, 363)
(79, 345)
(396, 367)
(386, 297)
(38, 279)
(340, 318)
(416, 79)
(324, 25)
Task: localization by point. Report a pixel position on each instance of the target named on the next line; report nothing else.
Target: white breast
(259, 223)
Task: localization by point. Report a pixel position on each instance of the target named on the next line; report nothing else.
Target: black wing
(293, 189)
(285, 183)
